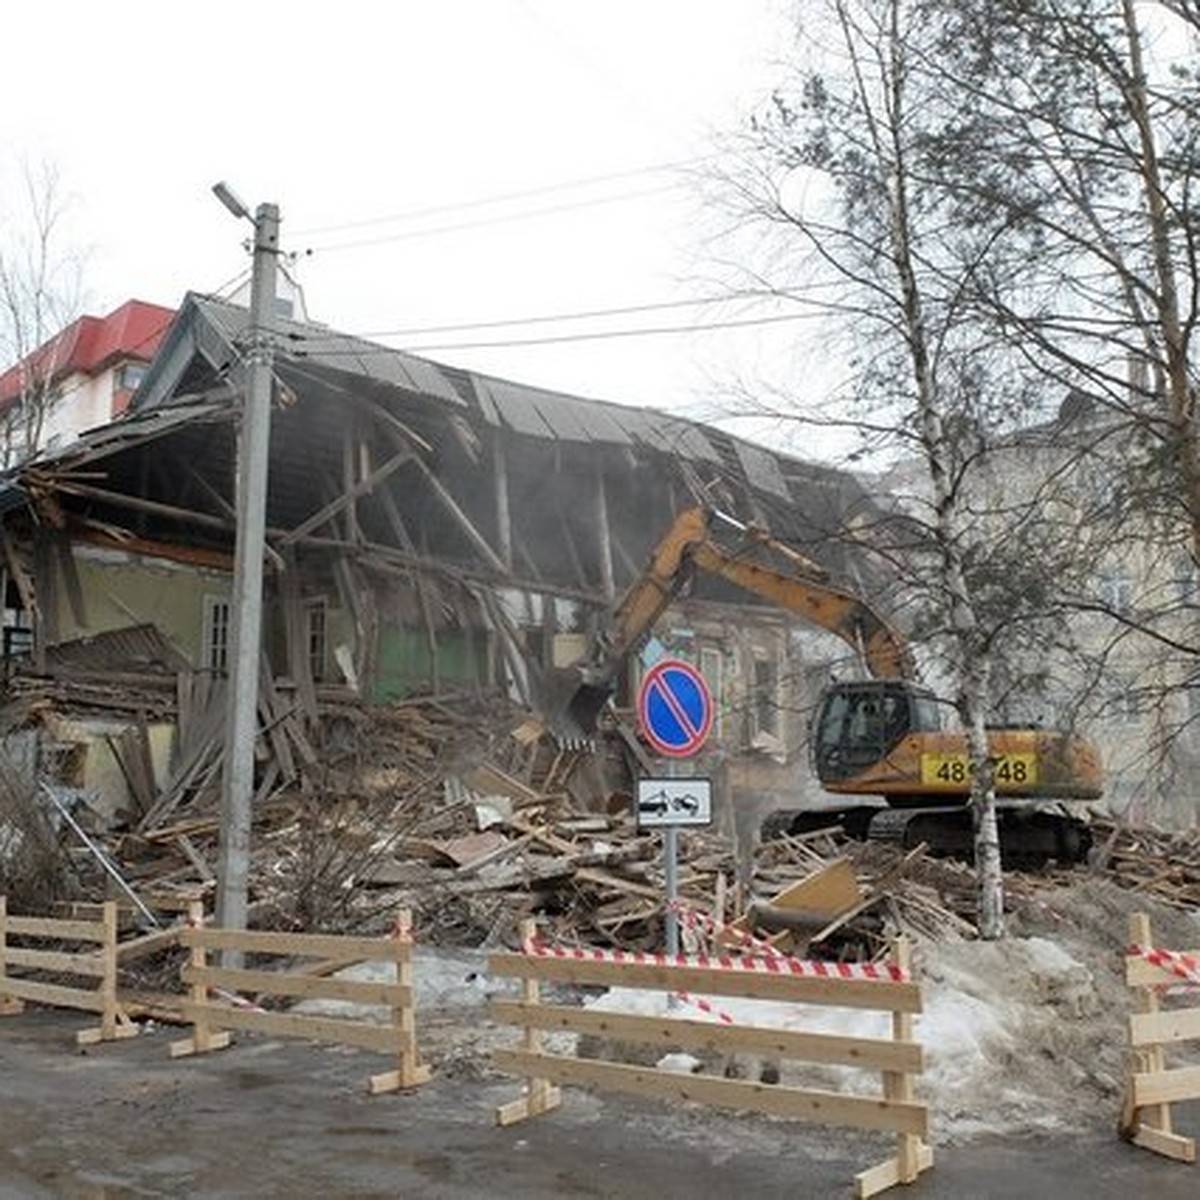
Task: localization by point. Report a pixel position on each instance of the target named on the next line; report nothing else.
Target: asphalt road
(268, 1117)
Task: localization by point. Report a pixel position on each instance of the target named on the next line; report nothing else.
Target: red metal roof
(89, 345)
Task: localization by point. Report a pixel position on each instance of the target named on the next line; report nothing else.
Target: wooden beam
(395, 428)
(452, 507)
(1159, 1028)
(19, 575)
(47, 585)
(671, 1032)
(797, 1104)
(503, 515)
(121, 500)
(1162, 1086)
(604, 538)
(345, 500)
(70, 578)
(843, 993)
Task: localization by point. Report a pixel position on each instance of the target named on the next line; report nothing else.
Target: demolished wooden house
(430, 531)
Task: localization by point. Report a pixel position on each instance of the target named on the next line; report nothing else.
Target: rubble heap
(468, 813)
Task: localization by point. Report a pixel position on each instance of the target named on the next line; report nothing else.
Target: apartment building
(81, 378)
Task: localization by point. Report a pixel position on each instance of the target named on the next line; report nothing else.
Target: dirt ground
(268, 1118)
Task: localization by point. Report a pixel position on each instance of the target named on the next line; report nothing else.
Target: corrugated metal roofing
(134, 427)
(674, 436)
(762, 468)
(136, 648)
(318, 346)
(540, 412)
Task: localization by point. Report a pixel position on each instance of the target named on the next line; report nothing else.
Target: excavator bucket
(569, 706)
(584, 707)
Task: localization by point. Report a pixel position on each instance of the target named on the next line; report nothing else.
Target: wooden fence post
(1150, 1125)
(203, 1038)
(1149, 1058)
(912, 1155)
(541, 1096)
(114, 1023)
(108, 981)
(9, 1005)
(409, 1073)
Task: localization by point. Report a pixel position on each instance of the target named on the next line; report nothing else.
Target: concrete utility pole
(254, 439)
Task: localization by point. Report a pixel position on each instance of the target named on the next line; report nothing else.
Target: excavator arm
(798, 585)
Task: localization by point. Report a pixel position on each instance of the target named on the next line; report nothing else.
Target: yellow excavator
(882, 736)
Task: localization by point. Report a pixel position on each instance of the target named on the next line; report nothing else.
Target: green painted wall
(406, 665)
(121, 590)
(124, 589)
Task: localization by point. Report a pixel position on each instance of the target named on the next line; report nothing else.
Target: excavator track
(1029, 837)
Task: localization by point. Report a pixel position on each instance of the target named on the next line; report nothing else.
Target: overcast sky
(389, 135)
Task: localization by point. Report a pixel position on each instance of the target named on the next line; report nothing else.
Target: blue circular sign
(675, 708)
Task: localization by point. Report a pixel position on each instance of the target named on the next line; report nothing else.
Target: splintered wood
(468, 811)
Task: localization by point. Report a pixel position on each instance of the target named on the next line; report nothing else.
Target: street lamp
(231, 200)
(254, 440)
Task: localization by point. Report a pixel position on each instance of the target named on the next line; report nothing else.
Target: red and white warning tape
(759, 946)
(1186, 966)
(777, 965)
(703, 923)
(706, 1006)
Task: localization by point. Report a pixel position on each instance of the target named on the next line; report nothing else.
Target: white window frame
(762, 703)
(218, 634)
(712, 667)
(316, 638)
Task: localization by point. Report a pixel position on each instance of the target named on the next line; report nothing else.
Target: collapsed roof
(375, 449)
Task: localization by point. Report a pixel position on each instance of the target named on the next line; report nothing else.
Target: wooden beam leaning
(1152, 1088)
(885, 989)
(346, 498)
(216, 1003)
(96, 964)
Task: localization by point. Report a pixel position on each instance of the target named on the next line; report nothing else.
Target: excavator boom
(799, 586)
(878, 737)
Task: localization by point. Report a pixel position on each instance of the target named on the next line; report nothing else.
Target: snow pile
(1025, 1033)
(1011, 1030)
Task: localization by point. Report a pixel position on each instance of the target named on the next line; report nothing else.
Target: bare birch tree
(1080, 140)
(846, 164)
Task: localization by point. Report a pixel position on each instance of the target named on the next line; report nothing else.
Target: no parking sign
(675, 708)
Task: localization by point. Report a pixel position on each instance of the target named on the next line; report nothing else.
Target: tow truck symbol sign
(674, 802)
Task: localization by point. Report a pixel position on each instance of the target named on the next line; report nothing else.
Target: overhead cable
(435, 210)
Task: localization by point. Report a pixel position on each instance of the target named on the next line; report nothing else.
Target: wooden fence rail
(215, 1006)
(897, 1059)
(1152, 1087)
(97, 963)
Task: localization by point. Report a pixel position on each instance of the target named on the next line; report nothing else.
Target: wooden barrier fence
(1152, 1087)
(898, 1058)
(98, 964)
(213, 1006)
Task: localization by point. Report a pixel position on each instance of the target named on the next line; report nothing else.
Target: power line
(645, 331)
(502, 198)
(582, 314)
(498, 219)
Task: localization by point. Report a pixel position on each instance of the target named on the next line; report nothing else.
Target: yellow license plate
(948, 770)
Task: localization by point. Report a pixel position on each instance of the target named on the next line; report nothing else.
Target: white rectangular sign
(662, 802)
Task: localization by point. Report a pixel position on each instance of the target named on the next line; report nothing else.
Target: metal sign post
(675, 708)
(671, 879)
(667, 804)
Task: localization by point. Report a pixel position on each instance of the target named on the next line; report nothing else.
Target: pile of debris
(468, 813)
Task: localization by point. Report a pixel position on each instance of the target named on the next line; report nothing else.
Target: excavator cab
(858, 723)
